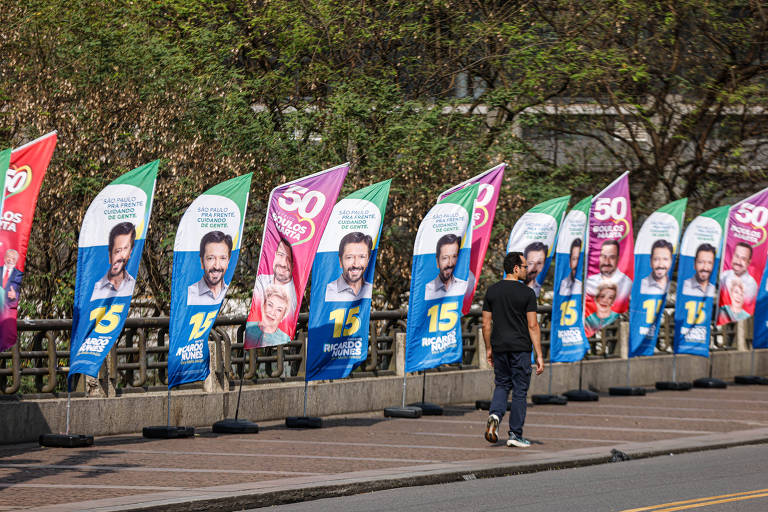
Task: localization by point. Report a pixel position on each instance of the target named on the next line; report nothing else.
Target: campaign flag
(655, 252)
(342, 284)
(700, 252)
(744, 257)
(760, 327)
(568, 342)
(109, 251)
(439, 281)
(297, 213)
(609, 256)
(23, 178)
(482, 222)
(205, 255)
(535, 235)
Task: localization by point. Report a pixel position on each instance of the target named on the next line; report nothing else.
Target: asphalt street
(732, 479)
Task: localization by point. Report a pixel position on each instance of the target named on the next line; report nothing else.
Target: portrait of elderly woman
(734, 311)
(604, 298)
(274, 307)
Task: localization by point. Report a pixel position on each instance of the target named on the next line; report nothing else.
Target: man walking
(511, 306)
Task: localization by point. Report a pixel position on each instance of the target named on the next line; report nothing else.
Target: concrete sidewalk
(367, 452)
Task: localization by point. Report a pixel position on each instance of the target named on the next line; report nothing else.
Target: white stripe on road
(538, 438)
(583, 427)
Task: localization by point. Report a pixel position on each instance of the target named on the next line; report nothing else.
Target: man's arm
(535, 332)
(487, 336)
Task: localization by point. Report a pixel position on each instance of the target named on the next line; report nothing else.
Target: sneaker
(492, 429)
(519, 441)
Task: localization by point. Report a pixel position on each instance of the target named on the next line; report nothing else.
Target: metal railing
(38, 363)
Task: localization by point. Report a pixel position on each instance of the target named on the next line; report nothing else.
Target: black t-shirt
(509, 301)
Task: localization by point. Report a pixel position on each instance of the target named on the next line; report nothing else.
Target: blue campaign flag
(342, 284)
(568, 341)
(655, 250)
(760, 331)
(205, 254)
(700, 252)
(439, 281)
(108, 255)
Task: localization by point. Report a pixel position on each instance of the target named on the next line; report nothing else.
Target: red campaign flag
(22, 186)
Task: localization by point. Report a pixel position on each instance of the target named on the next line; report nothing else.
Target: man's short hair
(706, 248)
(124, 228)
(533, 247)
(287, 246)
(576, 243)
(745, 245)
(215, 237)
(512, 260)
(612, 242)
(662, 244)
(449, 239)
(12, 251)
(355, 237)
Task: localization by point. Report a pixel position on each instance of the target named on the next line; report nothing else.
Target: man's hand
(489, 356)
(539, 364)
(11, 293)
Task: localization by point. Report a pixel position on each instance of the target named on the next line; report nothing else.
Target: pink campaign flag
(296, 217)
(482, 218)
(610, 256)
(743, 258)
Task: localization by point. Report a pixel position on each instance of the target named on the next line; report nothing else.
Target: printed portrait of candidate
(535, 254)
(275, 307)
(446, 284)
(609, 271)
(117, 282)
(354, 254)
(657, 282)
(603, 316)
(11, 279)
(571, 285)
(215, 251)
(698, 285)
(282, 275)
(742, 257)
(735, 310)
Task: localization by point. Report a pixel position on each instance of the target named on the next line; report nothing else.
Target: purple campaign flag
(205, 255)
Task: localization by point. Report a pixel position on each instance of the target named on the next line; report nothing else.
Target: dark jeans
(513, 372)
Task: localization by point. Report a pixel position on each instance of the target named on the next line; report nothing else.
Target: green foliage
(283, 88)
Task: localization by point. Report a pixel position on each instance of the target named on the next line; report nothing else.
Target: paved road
(360, 448)
(733, 479)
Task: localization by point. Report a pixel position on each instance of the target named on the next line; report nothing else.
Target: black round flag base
(428, 409)
(65, 440)
(485, 405)
(235, 426)
(709, 382)
(303, 422)
(626, 391)
(549, 400)
(166, 432)
(402, 412)
(581, 395)
(673, 386)
(750, 380)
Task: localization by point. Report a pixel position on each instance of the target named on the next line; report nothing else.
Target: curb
(285, 491)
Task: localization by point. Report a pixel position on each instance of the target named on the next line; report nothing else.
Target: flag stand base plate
(485, 405)
(626, 391)
(166, 432)
(428, 409)
(709, 382)
(303, 422)
(751, 379)
(65, 440)
(549, 400)
(402, 412)
(581, 395)
(673, 386)
(235, 426)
